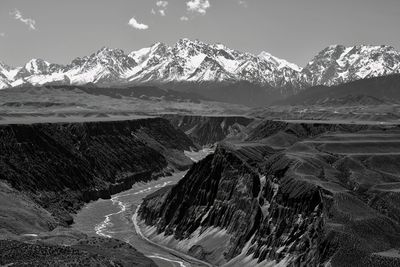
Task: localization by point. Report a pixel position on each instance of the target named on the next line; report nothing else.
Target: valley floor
(115, 218)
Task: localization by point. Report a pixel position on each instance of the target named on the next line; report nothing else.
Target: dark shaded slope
(143, 92)
(244, 93)
(206, 130)
(60, 166)
(219, 191)
(280, 133)
(380, 89)
(329, 195)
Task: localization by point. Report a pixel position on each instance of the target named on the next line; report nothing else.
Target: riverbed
(113, 218)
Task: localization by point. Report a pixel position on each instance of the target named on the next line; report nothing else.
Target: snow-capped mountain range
(196, 61)
(338, 64)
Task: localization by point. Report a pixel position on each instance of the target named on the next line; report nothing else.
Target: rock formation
(296, 195)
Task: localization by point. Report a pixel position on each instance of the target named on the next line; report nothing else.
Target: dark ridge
(207, 130)
(210, 187)
(244, 93)
(330, 195)
(383, 89)
(267, 129)
(143, 92)
(62, 165)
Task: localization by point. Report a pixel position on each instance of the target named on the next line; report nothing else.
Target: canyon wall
(207, 130)
(58, 167)
(293, 194)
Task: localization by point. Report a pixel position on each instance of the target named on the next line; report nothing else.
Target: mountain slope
(60, 166)
(338, 64)
(212, 70)
(382, 89)
(195, 61)
(190, 61)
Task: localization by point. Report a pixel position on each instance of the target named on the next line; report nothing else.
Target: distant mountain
(195, 61)
(186, 61)
(338, 64)
(6, 74)
(372, 91)
(212, 70)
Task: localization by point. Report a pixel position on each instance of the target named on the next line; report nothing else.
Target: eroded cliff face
(60, 166)
(220, 191)
(207, 130)
(329, 196)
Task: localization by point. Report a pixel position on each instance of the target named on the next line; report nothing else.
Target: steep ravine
(207, 130)
(62, 166)
(327, 195)
(49, 171)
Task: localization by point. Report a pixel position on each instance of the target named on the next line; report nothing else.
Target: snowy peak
(4, 67)
(114, 59)
(280, 63)
(106, 65)
(37, 66)
(339, 64)
(4, 75)
(142, 54)
(196, 61)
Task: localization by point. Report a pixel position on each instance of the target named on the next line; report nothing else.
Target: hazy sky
(58, 31)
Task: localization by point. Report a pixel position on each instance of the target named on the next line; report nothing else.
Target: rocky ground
(297, 194)
(64, 247)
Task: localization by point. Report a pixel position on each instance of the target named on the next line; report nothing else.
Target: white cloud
(243, 3)
(2, 34)
(137, 25)
(198, 6)
(161, 7)
(163, 4)
(18, 16)
(184, 18)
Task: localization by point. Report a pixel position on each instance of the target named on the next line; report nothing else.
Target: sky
(60, 30)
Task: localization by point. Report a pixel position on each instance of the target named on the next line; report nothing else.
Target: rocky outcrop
(207, 130)
(61, 166)
(220, 191)
(330, 196)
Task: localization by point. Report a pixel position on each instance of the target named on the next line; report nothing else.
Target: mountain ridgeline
(213, 71)
(373, 91)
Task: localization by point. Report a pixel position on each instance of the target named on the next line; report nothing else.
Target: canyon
(288, 194)
(48, 171)
(272, 141)
(269, 192)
